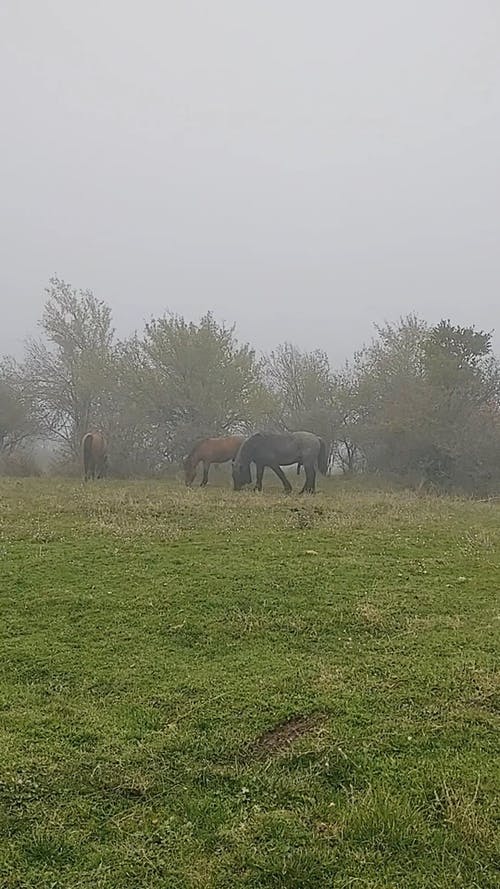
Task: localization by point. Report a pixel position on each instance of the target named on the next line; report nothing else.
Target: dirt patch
(281, 736)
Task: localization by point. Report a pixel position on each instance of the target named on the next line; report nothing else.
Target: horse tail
(87, 452)
(322, 457)
(299, 464)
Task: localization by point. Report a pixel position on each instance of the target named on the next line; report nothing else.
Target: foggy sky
(302, 168)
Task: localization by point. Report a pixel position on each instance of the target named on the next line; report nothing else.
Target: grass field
(205, 689)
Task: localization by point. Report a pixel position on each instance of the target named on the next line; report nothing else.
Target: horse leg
(313, 481)
(283, 479)
(260, 474)
(310, 482)
(206, 467)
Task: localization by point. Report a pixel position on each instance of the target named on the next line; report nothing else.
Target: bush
(19, 464)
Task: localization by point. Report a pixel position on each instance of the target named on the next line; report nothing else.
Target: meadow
(201, 688)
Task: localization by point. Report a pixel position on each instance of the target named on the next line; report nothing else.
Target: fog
(302, 169)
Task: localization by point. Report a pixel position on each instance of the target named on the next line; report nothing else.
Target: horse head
(241, 474)
(189, 470)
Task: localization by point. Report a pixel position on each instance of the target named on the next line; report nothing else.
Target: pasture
(208, 689)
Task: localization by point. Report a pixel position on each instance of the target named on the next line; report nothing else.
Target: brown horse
(208, 451)
(95, 458)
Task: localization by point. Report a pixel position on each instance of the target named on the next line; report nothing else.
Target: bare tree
(69, 371)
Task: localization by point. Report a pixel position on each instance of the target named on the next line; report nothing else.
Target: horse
(280, 449)
(208, 451)
(95, 458)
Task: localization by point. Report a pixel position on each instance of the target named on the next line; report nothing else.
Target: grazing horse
(280, 449)
(208, 451)
(95, 458)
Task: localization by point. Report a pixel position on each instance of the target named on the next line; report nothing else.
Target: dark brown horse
(95, 458)
(208, 451)
(280, 449)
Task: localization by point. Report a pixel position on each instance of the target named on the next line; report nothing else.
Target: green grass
(152, 639)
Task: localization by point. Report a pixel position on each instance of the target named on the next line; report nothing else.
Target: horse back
(218, 450)
(283, 448)
(233, 444)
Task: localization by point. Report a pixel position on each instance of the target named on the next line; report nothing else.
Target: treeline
(420, 403)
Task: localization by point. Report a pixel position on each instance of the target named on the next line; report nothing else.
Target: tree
(197, 380)
(15, 421)
(301, 384)
(460, 360)
(347, 411)
(69, 373)
(465, 380)
(464, 346)
(424, 395)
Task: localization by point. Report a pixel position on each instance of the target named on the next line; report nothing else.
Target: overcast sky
(301, 168)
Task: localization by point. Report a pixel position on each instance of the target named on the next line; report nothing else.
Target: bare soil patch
(282, 735)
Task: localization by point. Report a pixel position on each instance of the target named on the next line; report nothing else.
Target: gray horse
(280, 449)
